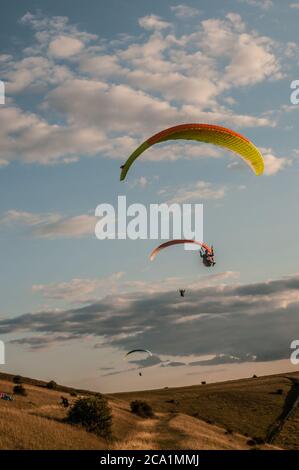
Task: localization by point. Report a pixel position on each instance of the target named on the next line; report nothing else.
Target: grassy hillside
(248, 406)
(217, 416)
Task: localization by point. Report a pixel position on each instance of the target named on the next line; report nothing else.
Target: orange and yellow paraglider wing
(125, 168)
(208, 133)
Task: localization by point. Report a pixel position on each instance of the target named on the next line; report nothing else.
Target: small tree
(142, 408)
(17, 379)
(20, 390)
(93, 413)
(52, 385)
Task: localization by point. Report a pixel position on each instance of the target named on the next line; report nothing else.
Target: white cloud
(74, 227)
(251, 58)
(82, 290)
(64, 47)
(142, 85)
(34, 72)
(47, 28)
(129, 110)
(51, 225)
(153, 22)
(36, 141)
(263, 4)
(201, 190)
(141, 182)
(294, 5)
(101, 66)
(78, 289)
(5, 58)
(125, 107)
(27, 218)
(274, 164)
(184, 11)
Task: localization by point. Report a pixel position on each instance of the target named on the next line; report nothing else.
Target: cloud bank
(232, 323)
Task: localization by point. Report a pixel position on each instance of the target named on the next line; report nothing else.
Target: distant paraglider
(138, 351)
(206, 252)
(208, 133)
(182, 292)
(133, 351)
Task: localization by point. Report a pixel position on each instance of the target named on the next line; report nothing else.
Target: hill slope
(249, 406)
(215, 416)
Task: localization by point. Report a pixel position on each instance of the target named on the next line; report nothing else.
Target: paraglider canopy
(138, 351)
(208, 133)
(133, 351)
(178, 242)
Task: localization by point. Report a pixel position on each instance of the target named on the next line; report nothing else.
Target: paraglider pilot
(182, 292)
(207, 257)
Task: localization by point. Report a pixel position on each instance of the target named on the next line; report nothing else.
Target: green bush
(52, 385)
(17, 379)
(93, 413)
(20, 390)
(142, 408)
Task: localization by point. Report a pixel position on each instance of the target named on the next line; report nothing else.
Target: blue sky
(85, 84)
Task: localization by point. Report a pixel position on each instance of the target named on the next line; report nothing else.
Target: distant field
(216, 416)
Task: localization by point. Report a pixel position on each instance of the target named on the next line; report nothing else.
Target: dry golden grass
(289, 436)
(22, 430)
(175, 432)
(181, 414)
(196, 434)
(124, 422)
(35, 422)
(248, 407)
(142, 437)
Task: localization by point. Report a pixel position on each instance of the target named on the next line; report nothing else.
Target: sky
(85, 84)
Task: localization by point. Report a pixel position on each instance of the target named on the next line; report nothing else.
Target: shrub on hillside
(259, 440)
(17, 379)
(142, 408)
(52, 385)
(20, 390)
(93, 413)
(255, 441)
